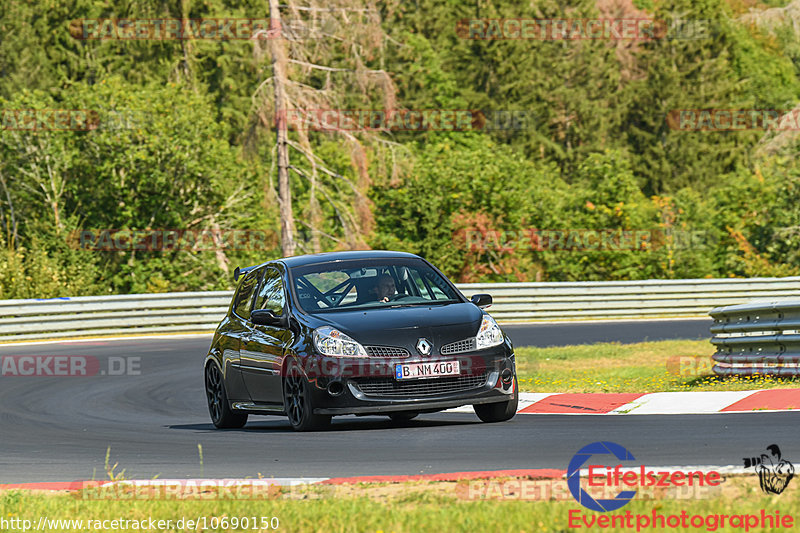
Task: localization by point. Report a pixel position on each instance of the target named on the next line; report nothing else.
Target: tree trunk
(279, 61)
(12, 234)
(316, 221)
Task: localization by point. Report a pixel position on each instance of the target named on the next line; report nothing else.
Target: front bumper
(378, 392)
(416, 406)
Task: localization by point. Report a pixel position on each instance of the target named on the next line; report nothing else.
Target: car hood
(404, 326)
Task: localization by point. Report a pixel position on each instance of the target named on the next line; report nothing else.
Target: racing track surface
(58, 429)
(624, 331)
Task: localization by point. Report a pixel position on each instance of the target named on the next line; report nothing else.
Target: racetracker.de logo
(68, 366)
(405, 120)
(693, 120)
(167, 240)
(581, 240)
(690, 365)
(615, 29)
(50, 119)
(214, 29)
(181, 489)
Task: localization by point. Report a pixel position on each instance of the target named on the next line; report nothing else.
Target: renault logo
(424, 347)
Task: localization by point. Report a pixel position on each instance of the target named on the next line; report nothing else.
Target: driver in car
(385, 288)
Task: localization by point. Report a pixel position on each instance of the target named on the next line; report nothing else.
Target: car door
(262, 348)
(237, 328)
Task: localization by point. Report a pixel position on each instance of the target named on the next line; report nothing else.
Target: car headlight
(489, 334)
(331, 341)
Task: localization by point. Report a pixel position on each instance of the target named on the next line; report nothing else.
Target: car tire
(298, 404)
(403, 417)
(222, 416)
(500, 411)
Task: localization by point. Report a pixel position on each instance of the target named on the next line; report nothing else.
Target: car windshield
(361, 284)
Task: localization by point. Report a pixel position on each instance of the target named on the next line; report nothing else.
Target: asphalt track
(59, 428)
(624, 331)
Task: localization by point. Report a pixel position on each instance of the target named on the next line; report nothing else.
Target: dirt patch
(516, 489)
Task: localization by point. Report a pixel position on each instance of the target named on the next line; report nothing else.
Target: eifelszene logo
(611, 478)
(774, 472)
(574, 476)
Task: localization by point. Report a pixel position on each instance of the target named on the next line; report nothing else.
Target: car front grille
(419, 387)
(467, 345)
(386, 351)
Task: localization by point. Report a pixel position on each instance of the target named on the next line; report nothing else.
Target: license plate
(426, 370)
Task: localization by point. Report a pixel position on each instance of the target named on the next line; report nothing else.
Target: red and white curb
(658, 403)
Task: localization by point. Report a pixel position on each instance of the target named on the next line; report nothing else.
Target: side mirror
(265, 317)
(481, 300)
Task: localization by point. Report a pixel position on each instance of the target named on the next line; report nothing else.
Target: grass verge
(662, 366)
(412, 507)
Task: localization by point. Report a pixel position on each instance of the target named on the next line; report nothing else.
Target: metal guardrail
(112, 315)
(757, 338)
(627, 299)
(513, 302)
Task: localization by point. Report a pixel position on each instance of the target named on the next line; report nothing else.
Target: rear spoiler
(239, 271)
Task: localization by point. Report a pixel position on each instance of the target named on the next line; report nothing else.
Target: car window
(357, 284)
(425, 286)
(334, 285)
(244, 296)
(271, 295)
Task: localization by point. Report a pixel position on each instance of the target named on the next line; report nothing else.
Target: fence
(757, 338)
(513, 302)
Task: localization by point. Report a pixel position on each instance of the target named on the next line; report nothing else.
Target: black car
(364, 333)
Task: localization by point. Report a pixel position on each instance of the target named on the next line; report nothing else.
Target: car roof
(310, 259)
